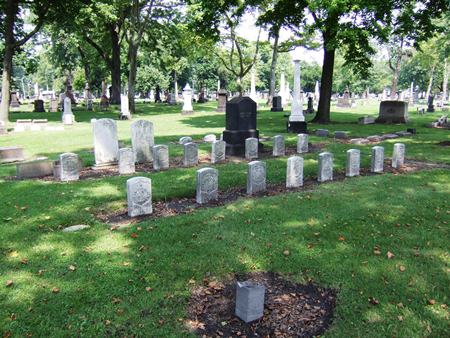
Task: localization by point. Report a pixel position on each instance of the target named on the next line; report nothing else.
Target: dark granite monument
(310, 109)
(240, 124)
(39, 106)
(430, 108)
(276, 104)
(393, 112)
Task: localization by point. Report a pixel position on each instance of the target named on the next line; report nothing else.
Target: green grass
(106, 295)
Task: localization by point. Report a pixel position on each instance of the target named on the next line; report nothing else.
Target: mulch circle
(290, 309)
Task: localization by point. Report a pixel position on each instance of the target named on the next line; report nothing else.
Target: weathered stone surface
(256, 177)
(403, 133)
(374, 138)
(251, 148)
(11, 154)
(393, 112)
(218, 151)
(142, 140)
(127, 161)
(37, 168)
(325, 167)
(294, 172)
(160, 157)
(106, 146)
(210, 138)
(279, 148)
(69, 167)
(359, 141)
(139, 196)
(207, 185)
(185, 139)
(377, 161)
(249, 301)
(340, 134)
(190, 155)
(222, 98)
(366, 120)
(353, 162)
(389, 136)
(302, 143)
(398, 156)
(22, 125)
(75, 228)
(322, 132)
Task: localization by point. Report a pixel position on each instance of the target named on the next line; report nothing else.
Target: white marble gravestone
(251, 148)
(142, 140)
(353, 162)
(106, 145)
(325, 167)
(302, 143)
(69, 167)
(126, 161)
(398, 156)
(139, 196)
(377, 161)
(256, 177)
(294, 172)
(207, 185)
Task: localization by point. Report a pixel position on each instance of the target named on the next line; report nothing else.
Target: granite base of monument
(393, 112)
(297, 127)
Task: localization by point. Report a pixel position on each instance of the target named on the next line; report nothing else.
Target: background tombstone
(218, 151)
(398, 156)
(124, 108)
(207, 185)
(160, 157)
(377, 161)
(53, 108)
(256, 177)
(302, 143)
(190, 154)
(325, 167)
(184, 140)
(69, 167)
(14, 101)
(222, 101)
(126, 161)
(39, 106)
(297, 123)
(68, 117)
(430, 105)
(106, 146)
(294, 172)
(393, 112)
(142, 140)
(187, 100)
(276, 104)
(240, 124)
(251, 148)
(353, 162)
(139, 196)
(279, 148)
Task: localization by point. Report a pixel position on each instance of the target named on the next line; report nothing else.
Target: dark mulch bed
(290, 309)
(177, 206)
(444, 143)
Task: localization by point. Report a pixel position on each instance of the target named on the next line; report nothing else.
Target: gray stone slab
(325, 170)
(218, 151)
(366, 120)
(142, 140)
(377, 160)
(37, 168)
(207, 185)
(185, 139)
(251, 148)
(294, 172)
(374, 138)
(127, 161)
(322, 132)
(76, 228)
(340, 134)
(302, 143)
(106, 145)
(139, 196)
(160, 157)
(11, 154)
(353, 162)
(359, 141)
(210, 138)
(398, 155)
(69, 167)
(389, 136)
(190, 154)
(249, 301)
(256, 177)
(279, 148)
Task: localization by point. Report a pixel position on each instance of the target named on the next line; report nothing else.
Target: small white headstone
(398, 156)
(256, 177)
(218, 151)
(278, 145)
(251, 148)
(302, 143)
(294, 174)
(207, 185)
(142, 140)
(126, 161)
(377, 161)
(160, 157)
(325, 167)
(69, 166)
(139, 196)
(353, 162)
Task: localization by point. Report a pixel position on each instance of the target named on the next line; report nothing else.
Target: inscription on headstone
(160, 157)
(398, 156)
(126, 161)
(251, 148)
(353, 162)
(139, 196)
(294, 174)
(278, 145)
(207, 185)
(377, 161)
(190, 155)
(325, 167)
(256, 177)
(218, 151)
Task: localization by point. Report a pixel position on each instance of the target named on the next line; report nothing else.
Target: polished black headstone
(310, 109)
(39, 106)
(240, 124)
(276, 104)
(430, 108)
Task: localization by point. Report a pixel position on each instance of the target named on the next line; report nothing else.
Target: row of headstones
(139, 189)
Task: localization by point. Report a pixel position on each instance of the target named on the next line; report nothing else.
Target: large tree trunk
(86, 66)
(430, 83)
(326, 86)
(273, 67)
(11, 10)
(115, 66)
(398, 61)
(445, 81)
(132, 59)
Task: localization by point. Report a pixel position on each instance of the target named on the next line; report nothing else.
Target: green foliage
(148, 77)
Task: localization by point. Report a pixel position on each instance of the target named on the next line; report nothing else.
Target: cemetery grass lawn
(136, 281)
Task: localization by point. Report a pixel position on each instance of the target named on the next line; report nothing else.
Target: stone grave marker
(39, 106)
(11, 154)
(218, 151)
(222, 101)
(294, 172)
(276, 104)
(37, 168)
(53, 108)
(142, 140)
(69, 167)
(124, 108)
(322, 132)
(23, 125)
(249, 301)
(127, 159)
(106, 146)
(398, 156)
(353, 162)
(160, 157)
(14, 101)
(393, 112)
(184, 140)
(325, 167)
(190, 154)
(68, 117)
(207, 185)
(279, 148)
(256, 177)
(187, 100)
(139, 196)
(302, 143)
(251, 148)
(377, 160)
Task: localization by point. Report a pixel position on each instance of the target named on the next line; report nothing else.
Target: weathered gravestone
(249, 301)
(190, 154)
(187, 100)
(310, 108)
(302, 143)
(276, 104)
(68, 117)
(106, 146)
(14, 102)
(256, 177)
(398, 156)
(139, 196)
(69, 167)
(207, 185)
(322, 132)
(184, 140)
(251, 148)
(294, 172)
(366, 120)
(340, 134)
(36, 168)
(344, 101)
(11, 154)
(39, 106)
(279, 148)
(393, 112)
(377, 160)
(430, 106)
(39, 124)
(325, 167)
(218, 151)
(353, 162)
(142, 140)
(53, 108)
(210, 138)
(124, 108)
(160, 157)
(23, 125)
(222, 101)
(240, 124)
(126, 161)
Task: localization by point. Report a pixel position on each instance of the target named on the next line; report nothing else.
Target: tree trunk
(115, 66)
(11, 10)
(132, 59)
(394, 86)
(273, 67)
(326, 86)
(239, 85)
(430, 83)
(86, 66)
(445, 81)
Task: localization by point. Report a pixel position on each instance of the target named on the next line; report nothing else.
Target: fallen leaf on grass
(402, 268)
(286, 253)
(400, 318)
(431, 301)
(55, 290)
(72, 267)
(341, 238)
(373, 301)
(9, 283)
(390, 255)
(148, 289)
(134, 235)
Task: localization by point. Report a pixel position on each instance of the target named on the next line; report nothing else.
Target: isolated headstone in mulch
(290, 309)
